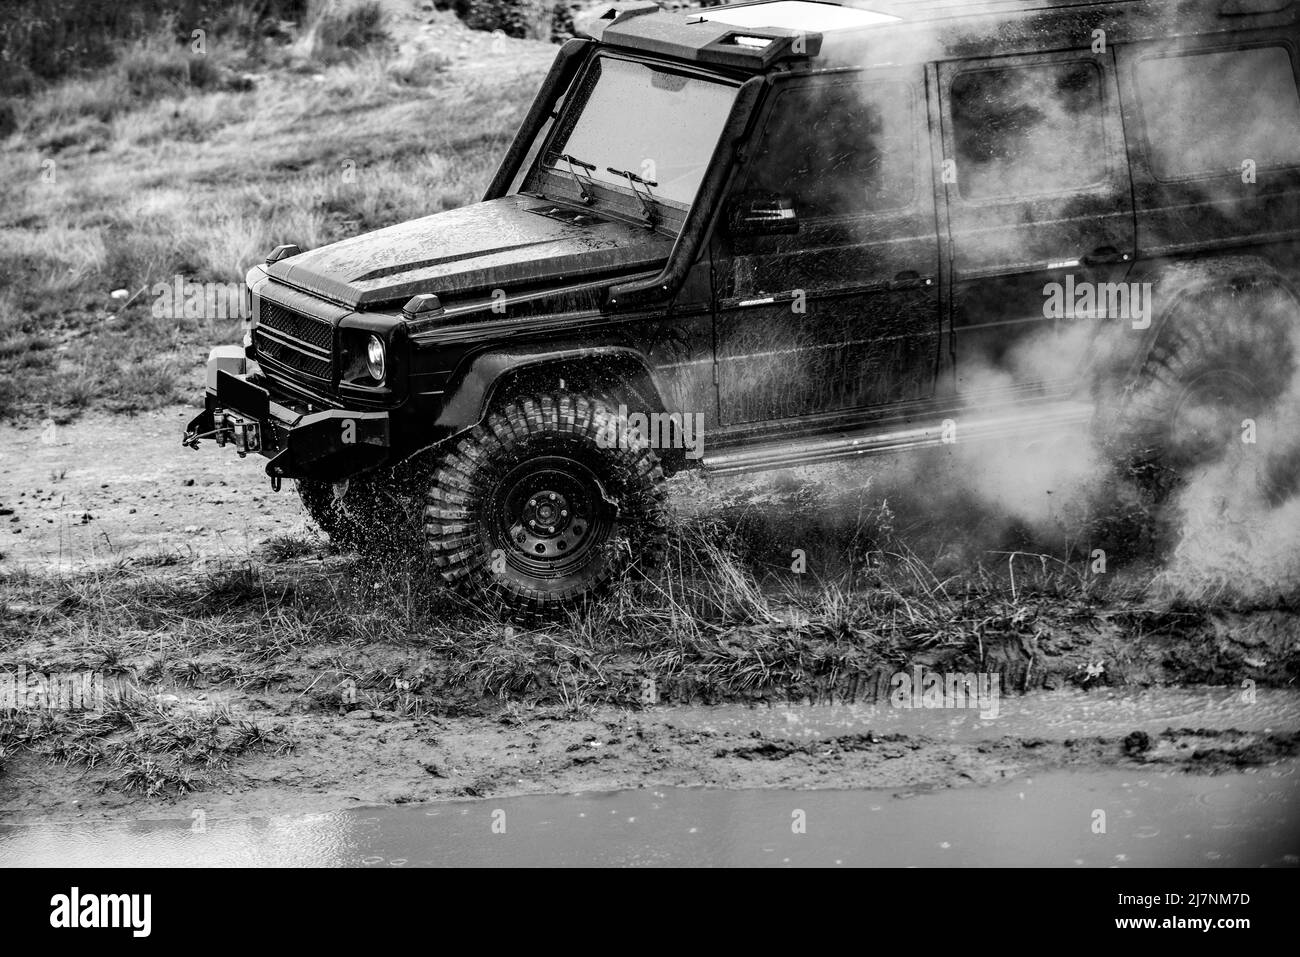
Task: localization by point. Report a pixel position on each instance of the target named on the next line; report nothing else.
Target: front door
(843, 313)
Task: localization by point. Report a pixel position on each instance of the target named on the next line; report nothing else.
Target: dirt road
(379, 757)
(240, 671)
(107, 488)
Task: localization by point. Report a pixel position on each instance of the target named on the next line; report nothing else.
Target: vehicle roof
(870, 32)
(796, 15)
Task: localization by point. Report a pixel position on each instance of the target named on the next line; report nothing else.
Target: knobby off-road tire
(544, 505)
(1224, 358)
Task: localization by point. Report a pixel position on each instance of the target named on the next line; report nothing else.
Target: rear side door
(1038, 204)
(842, 313)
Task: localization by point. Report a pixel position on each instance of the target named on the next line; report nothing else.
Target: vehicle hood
(495, 244)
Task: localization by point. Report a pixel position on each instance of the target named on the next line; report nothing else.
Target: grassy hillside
(170, 160)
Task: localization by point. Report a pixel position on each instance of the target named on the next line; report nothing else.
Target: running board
(1025, 421)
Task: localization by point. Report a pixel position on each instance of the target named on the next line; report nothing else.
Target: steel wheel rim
(548, 516)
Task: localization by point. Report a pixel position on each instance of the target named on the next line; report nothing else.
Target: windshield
(634, 118)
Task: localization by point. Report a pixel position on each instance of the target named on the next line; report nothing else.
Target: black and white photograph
(783, 434)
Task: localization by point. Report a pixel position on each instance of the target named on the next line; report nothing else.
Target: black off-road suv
(777, 233)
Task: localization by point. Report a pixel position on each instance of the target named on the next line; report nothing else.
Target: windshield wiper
(582, 182)
(647, 201)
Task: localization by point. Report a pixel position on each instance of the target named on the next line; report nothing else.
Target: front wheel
(544, 505)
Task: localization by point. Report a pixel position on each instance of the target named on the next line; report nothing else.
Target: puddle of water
(1151, 819)
(1054, 715)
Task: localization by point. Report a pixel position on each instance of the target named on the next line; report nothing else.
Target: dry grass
(313, 633)
(708, 619)
(149, 747)
(164, 164)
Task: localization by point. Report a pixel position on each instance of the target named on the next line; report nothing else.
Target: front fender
(473, 390)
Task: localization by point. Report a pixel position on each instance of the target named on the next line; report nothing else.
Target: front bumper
(240, 409)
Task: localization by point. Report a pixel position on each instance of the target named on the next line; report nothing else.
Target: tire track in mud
(371, 758)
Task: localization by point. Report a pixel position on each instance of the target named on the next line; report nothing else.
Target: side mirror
(761, 215)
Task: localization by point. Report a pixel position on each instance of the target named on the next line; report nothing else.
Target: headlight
(375, 358)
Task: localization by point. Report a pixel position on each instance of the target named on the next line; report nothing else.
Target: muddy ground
(110, 488)
(367, 757)
(269, 675)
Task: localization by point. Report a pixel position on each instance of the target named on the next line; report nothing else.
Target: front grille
(295, 341)
(292, 358)
(315, 332)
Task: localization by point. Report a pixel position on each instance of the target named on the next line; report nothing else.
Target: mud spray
(1239, 515)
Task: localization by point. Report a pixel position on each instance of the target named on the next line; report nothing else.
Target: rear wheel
(544, 505)
(1215, 371)
(1206, 414)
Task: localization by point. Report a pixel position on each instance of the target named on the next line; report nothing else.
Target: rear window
(1206, 113)
(1028, 130)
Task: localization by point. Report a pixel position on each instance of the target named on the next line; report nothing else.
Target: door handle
(910, 279)
(1104, 255)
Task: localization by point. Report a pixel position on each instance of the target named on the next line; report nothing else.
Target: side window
(1206, 113)
(1027, 130)
(838, 149)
